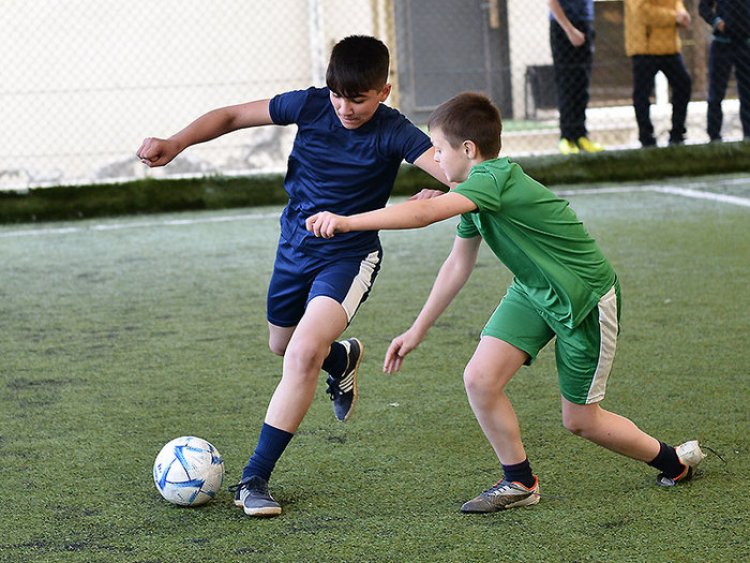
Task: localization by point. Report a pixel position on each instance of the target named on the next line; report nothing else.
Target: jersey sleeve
(466, 227)
(407, 141)
(286, 108)
(484, 190)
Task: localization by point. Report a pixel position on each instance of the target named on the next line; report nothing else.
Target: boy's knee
(476, 380)
(276, 347)
(303, 356)
(578, 423)
(574, 426)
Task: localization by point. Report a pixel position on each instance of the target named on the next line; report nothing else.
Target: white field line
(138, 225)
(672, 190)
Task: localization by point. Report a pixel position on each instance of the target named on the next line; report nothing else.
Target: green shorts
(584, 354)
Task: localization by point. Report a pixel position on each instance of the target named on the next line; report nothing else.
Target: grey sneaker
(505, 494)
(343, 391)
(253, 497)
(690, 455)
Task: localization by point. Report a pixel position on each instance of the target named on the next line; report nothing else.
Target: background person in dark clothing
(730, 20)
(572, 44)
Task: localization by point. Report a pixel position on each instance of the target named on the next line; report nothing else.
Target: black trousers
(721, 58)
(645, 68)
(572, 77)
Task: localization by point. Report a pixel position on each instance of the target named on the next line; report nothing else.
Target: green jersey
(539, 238)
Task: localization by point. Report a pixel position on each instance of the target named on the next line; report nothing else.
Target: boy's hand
(399, 348)
(157, 152)
(683, 19)
(576, 37)
(325, 224)
(427, 193)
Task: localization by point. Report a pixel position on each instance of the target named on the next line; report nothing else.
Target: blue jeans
(645, 68)
(721, 58)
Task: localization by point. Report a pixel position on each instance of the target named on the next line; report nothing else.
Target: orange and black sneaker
(690, 456)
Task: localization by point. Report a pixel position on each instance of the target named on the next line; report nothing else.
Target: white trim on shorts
(608, 329)
(361, 284)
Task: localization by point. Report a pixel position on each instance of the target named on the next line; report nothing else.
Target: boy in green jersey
(563, 288)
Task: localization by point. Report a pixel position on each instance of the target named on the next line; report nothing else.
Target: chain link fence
(82, 82)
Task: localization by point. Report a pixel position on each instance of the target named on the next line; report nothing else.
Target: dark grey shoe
(253, 497)
(505, 494)
(343, 391)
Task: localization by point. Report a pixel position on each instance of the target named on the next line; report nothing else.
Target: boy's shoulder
(492, 168)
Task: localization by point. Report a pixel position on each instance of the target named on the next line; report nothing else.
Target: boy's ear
(384, 92)
(470, 149)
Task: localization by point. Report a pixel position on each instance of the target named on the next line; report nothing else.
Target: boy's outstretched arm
(158, 152)
(452, 276)
(410, 214)
(426, 162)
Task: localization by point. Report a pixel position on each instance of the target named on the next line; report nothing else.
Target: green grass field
(121, 334)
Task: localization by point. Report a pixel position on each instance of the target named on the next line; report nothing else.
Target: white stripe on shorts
(361, 284)
(607, 344)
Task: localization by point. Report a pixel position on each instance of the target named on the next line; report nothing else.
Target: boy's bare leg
(489, 370)
(324, 321)
(610, 430)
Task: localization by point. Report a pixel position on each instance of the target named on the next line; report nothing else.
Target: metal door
(444, 47)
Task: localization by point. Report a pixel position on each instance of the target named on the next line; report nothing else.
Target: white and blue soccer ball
(188, 471)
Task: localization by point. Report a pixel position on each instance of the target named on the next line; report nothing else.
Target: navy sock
(335, 363)
(520, 472)
(667, 461)
(271, 444)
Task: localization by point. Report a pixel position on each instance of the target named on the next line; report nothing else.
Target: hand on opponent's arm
(325, 224)
(427, 193)
(410, 214)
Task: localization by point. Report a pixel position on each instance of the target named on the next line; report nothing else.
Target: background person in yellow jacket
(652, 41)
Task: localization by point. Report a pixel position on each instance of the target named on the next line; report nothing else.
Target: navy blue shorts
(298, 277)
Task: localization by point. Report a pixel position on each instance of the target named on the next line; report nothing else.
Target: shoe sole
(355, 394)
(266, 512)
(528, 501)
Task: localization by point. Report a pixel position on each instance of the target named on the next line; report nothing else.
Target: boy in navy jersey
(346, 155)
(563, 288)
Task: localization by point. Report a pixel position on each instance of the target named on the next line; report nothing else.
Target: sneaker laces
(503, 484)
(333, 388)
(245, 484)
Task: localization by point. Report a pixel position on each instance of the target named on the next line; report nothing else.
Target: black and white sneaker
(343, 391)
(254, 498)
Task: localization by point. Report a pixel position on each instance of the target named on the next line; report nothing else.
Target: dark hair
(470, 116)
(358, 63)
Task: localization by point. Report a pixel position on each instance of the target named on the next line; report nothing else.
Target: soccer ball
(188, 471)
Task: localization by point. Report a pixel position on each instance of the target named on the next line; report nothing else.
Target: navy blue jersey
(335, 169)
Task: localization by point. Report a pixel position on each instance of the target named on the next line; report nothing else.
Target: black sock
(667, 461)
(335, 363)
(271, 444)
(519, 472)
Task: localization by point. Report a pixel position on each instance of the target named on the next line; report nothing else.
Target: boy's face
(355, 112)
(454, 162)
